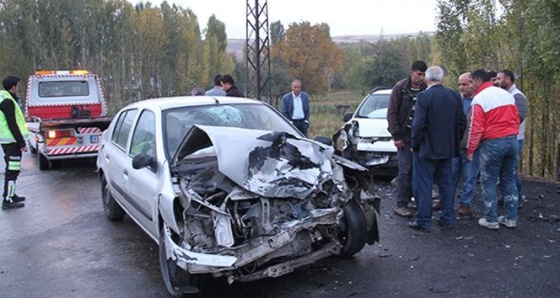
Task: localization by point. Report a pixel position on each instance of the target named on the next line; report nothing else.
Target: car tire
(113, 211)
(354, 230)
(177, 281)
(43, 162)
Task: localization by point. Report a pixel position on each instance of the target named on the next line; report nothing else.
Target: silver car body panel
(241, 203)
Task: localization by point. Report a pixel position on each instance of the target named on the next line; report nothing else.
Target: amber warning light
(61, 72)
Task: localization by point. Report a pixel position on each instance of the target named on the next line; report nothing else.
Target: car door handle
(125, 172)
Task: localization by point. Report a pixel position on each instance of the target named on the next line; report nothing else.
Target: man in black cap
(13, 135)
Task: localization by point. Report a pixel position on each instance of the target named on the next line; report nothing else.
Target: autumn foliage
(310, 55)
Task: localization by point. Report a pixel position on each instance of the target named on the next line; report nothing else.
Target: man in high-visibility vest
(13, 136)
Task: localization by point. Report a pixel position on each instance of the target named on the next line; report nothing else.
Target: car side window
(123, 127)
(143, 137)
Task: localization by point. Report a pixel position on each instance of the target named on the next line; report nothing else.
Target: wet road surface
(61, 245)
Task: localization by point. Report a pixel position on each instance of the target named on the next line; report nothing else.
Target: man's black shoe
(11, 205)
(17, 198)
(415, 226)
(444, 225)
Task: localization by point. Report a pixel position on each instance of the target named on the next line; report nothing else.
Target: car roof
(165, 103)
(382, 91)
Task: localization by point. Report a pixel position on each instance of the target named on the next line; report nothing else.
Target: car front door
(144, 182)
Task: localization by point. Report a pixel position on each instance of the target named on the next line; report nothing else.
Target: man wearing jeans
(506, 81)
(494, 127)
(465, 170)
(437, 129)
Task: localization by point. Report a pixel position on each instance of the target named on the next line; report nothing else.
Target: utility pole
(258, 51)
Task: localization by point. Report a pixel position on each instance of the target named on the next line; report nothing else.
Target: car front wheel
(113, 210)
(353, 230)
(177, 281)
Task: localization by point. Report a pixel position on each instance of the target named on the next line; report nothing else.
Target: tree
(387, 67)
(149, 49)
(310, 55)
(219, 61)
(471, 34)
(277, 32)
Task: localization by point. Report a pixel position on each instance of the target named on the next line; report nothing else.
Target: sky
(348, 17)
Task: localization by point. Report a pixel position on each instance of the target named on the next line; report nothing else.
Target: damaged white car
(365, 138)
(228, 187)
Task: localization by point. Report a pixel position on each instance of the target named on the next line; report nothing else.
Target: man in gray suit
(295, 107)
(437, 129)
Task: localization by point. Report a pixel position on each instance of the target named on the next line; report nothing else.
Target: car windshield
(374, 106)
(178, 121)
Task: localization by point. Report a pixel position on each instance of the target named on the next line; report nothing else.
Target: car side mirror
(142, 160)
(347, 117)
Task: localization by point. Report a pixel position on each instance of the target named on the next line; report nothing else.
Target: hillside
(235, 46)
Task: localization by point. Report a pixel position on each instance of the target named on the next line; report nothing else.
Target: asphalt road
(61, 245)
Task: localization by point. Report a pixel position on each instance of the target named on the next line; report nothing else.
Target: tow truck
(66, 113)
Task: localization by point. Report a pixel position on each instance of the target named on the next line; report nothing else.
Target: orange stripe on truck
(62, 141)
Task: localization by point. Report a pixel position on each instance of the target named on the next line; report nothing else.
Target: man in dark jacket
(437, 129)
(295, 106)
(228, 85)
(399, 115)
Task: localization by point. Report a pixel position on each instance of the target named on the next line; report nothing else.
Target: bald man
(464, 170)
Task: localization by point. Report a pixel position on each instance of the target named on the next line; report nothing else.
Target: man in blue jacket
(295, 107)
(437, 129)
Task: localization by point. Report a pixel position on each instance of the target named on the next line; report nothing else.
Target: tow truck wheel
(43, 162)
(55, 164)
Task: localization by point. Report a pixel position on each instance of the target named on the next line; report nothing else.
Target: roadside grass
(327, 111)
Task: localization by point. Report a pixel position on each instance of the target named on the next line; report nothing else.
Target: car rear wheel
(354, 230)
(113, 211)
(177, 281)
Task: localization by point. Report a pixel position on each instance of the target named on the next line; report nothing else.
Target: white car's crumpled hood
(271, 164)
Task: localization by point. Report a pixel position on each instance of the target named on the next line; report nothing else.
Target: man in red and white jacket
(494, 126)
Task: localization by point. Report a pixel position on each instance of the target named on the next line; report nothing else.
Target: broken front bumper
(258, 248)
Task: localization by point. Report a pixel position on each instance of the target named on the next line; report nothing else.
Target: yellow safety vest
(6, 136)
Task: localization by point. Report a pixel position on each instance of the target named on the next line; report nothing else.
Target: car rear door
(115, 158)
